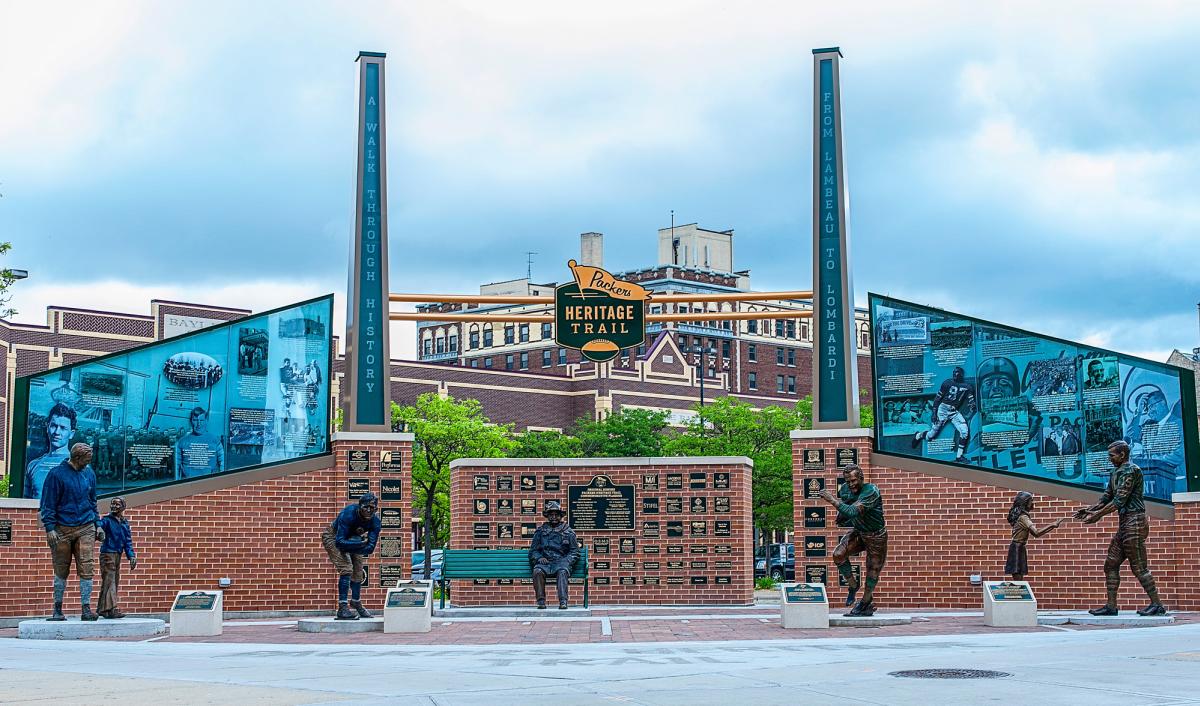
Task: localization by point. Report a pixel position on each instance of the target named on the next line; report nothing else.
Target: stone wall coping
(595, 462)
(19, 503)
(1185, 498)
(833, 433)
(373, 436)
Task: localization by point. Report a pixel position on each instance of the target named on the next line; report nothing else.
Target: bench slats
(497, 564)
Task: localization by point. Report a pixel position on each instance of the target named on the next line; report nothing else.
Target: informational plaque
(600, 505)
(723, 549)
(814, 545)
(504, 484)
(816, 573)
(699, 580)
(649, 506)
(626, 565)
(627, 581)
(814, 460)
(601, 580)
(1009, 591)
(721, 504)
(482, 506)
(529, 506)
(406, 597)
(856, 570)
(528, 529)
(674, 580)
(481, 582)
(814, 517)
(697, 481)
(813, 487)
(601, 565)
(698, 564)
(600, 545)
(722, 580)
(650, 581)
(699, 504)
(391, 546)
(723, 565)
(720, 480)
(482, 482)
(651, 565)
(359, 461)
(481, 530)
(675, 529)
(803, 593)
(391, 518)
(196, 600)
(650, 529)
(551, 484)
(649, 481)
(674, 548)
(390, 489)
(674, 481)
(504, 531)
(672, 565)
(357, 487)
(504, 582)
(390, 574)
(651, 549)
(391, 461)
(628, 545)
(699, 549)
(528, 484)
(699, 528)
(674, 506)
(722, 528)
(504, 506)
(847, 457)
(5, 531)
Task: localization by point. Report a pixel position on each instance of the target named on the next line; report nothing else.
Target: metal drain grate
(949, 674)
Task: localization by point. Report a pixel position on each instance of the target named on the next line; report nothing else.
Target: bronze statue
(118, 540)
(1125, 495)
(1017, 565)
(68, 512)
(554, 550)
(348, 541)
(859, 507)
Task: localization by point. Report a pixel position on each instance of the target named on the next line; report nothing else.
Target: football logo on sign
(598, 314)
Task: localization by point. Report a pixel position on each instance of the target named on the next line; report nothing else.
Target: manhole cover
(950, 674)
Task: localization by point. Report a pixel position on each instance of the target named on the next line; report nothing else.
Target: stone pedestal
(75, 629)
(339, 626)
(197, 613)
(1009, 604)
(407, 607)
(804, 605)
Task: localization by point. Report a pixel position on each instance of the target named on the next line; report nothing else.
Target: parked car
(777, 561)
(418, 564)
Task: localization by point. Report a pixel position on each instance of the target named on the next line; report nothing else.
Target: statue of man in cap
(348, 541)
(68, 512)
(553, 550)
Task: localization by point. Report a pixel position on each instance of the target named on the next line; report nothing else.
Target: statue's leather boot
(87, 614)
(539, 589)
(344, 613)
(1153, 609)
(358, 608)
(861, 610)
(58, 614)
(850, 596)
(562, 605)
(1103, 610)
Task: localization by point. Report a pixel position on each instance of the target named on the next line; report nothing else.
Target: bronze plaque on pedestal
(674, 481)
(481, 530)
(528, 506)
(722, 529)
(390, 489)
(813, 487)
(528, 484)
(551, 484)
(600, 545)
(674, 529)
(649, 481)
(699, 504)
(814, 517)
(814, 460)
(482, 482)
(814, 545)
(650, 529)
(391, 462)
(847, 457)
(720, 480)
(504, 484)
(357, 487)
(674, 506)
(391, 518)
(391, 546)
(816, 573)
(649, 506)
(359, 461)
(600, 505)
(628, 545)
(390, 574)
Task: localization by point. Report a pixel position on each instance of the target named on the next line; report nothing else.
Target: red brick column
(941, 531)
(663, 577)
(262, 531)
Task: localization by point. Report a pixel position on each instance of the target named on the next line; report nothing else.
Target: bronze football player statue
(859, 507)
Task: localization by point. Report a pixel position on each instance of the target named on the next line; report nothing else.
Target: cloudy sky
(1034, 165)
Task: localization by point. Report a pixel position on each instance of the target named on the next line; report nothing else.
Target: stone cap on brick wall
(373, 436)
(18, 503)
(832, 433)
(589, 462)
(1185, 498)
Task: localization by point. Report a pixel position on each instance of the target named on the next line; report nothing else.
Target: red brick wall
(940, 531)
(265, 536)
(738, 591)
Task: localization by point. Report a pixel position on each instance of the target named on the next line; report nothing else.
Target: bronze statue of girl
(1017, 565)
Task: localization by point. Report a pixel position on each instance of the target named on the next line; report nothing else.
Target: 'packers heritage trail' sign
(598, 314)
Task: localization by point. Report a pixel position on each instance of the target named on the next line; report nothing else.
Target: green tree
(445, 429)
(6, 282)
(629, 432)
(546, 444)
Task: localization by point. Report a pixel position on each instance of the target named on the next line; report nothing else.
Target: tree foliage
(546, 444)
(629, 432)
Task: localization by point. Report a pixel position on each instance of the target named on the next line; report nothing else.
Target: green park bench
(501, 564)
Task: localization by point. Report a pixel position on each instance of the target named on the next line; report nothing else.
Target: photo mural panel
(250, 392)
(955, 389)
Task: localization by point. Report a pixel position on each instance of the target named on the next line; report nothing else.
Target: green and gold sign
(598, 314)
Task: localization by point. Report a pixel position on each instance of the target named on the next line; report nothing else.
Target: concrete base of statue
(1126, 618)
(331, 625)
(1009, 604)
(879, 620)
(500, 611)
(75, 629)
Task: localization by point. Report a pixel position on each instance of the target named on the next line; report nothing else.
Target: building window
(779, 356)
(474, 362)
(779, 328)
(752, 326)
(753, 381)
(487, 362)
(752, 352)
(508, 334)
(779, 384)
(562, 356)
(525, 362)
(792, 384)
(453, 343)
(712, 346)
(508, 362)
(803, 331)
(546, 331)
(487, 337)
(641, 350)
(441, 345)
(426, 347)
(524, 333)
(683, 343)
(791, 357)
(474, 339)
(791, 328)
(546, 358)
(725, 348)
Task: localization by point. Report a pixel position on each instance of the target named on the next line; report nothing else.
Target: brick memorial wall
(264, 535)
(941, 530)
(686, 537)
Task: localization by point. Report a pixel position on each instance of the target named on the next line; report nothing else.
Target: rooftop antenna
(529, 264)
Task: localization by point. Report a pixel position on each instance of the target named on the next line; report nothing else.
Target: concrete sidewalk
(1098, 666)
